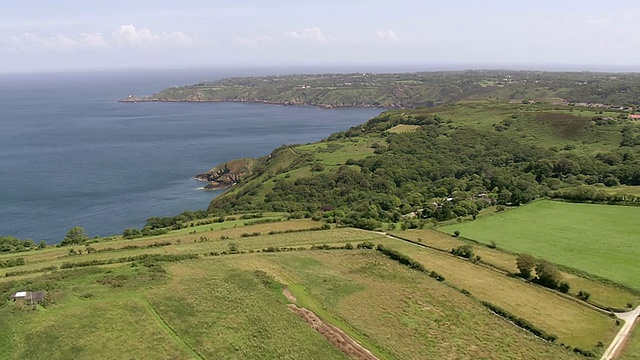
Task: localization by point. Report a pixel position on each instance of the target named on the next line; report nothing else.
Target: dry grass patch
(602, 294)
(228, 313)
(408, 314)
(574, 324)
(403, 128)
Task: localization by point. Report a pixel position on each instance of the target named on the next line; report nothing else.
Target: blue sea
(71, 155)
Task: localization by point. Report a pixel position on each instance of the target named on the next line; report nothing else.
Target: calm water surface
(70, 155)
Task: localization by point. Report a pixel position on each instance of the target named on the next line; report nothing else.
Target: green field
(232, 306)
(602, 240)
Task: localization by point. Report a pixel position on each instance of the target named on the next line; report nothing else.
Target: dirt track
(287, 293)
(619, 341)
(336, 336)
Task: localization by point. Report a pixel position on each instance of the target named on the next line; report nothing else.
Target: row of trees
(10, 244)
(541, 272)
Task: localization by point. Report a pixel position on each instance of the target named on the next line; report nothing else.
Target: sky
(64, 35)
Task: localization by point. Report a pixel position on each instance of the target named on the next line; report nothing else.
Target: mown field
(232, 306)
(599, 239)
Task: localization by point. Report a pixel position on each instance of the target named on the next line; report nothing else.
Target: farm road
(618, 342)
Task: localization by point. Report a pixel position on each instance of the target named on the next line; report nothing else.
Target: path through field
(618, 342)
(172, 333)
(332, 333)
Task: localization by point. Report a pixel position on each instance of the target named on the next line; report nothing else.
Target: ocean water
(71, 155)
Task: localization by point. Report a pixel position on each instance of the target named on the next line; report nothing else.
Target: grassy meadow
(571, 321)
(231, 306)
(599, 239)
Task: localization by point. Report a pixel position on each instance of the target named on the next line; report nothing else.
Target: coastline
(265, 102)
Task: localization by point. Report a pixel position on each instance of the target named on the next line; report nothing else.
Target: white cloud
(313, 34)
(125, 35)
(259, 40)
(95, 39)
(32, 41)
(388, 36)
(129, 35)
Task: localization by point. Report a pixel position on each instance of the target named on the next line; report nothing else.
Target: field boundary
(587, 304)
(178, 340)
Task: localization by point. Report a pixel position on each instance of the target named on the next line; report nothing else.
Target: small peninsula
(227, 174)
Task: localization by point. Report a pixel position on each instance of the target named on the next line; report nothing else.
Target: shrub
(401, 258)
(436, 276)
(465, 251)
(547, 275)
(366, 245)
(585, 353)
(583, 295)
(525, 264)
(563, 287)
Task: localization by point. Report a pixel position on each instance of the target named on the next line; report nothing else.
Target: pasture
(228, 302)
(602, 240)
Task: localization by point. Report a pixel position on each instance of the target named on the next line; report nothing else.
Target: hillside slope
(446, 162)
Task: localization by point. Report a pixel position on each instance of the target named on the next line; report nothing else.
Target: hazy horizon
(257, 70)
(70, 35)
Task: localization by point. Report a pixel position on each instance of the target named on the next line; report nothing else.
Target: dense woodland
(439, 171)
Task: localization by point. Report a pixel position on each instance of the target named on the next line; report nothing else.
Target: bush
(547, 275)
(366, 245)
(465, 251)
(525, 264)
(436, 276)
(401, 258)
(564, 287)
(583, 295)
(12, 262)
(585, 353)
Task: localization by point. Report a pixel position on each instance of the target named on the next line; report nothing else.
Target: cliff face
(227, 174)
